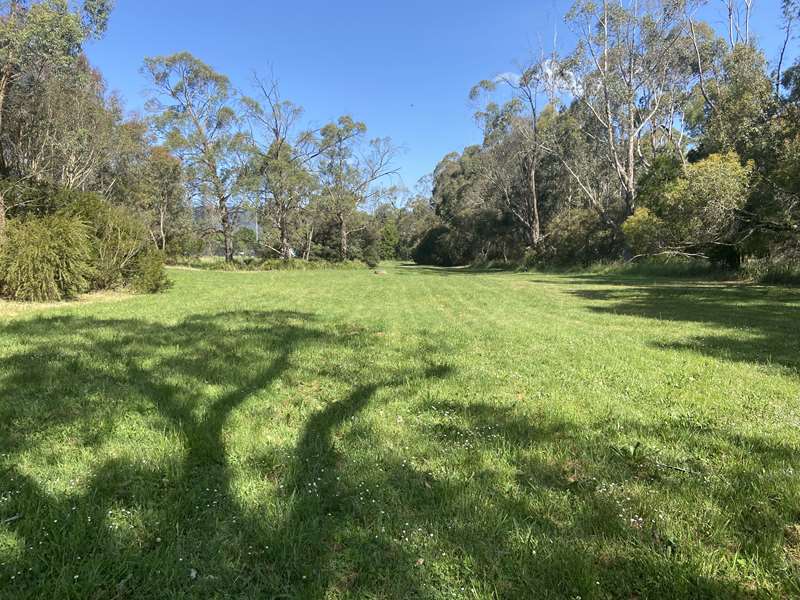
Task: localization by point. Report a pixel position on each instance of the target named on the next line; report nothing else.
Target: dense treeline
(208, 169)
(656, 136)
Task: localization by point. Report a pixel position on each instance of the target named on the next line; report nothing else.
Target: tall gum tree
(193, 108)
(628, 73)
(350, 171)
(281, 156)
(521, 115)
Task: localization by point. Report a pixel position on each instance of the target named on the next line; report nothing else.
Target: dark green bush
(118, 239)
(149, 275)
(437, 248)
(67, 242)
(45, 259)
(372, 256)
(580, 237)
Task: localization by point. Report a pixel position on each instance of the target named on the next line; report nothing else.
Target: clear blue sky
(405, 67)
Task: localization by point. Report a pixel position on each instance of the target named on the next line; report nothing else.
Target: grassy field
(420, 434)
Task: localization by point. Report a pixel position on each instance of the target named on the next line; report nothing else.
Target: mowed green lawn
(419, 434)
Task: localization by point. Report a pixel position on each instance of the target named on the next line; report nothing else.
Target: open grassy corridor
(422, 434)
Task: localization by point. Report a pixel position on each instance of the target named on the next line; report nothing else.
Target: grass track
(427, 433)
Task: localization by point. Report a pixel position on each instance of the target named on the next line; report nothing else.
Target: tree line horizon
(656, 136)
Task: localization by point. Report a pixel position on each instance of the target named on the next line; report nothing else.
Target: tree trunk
(536, 227)
(2, 216)
(309, 241)
(286, 250)
(630, 192)
(4, 80)
(161, 230)
(343, 239)
(227, 230)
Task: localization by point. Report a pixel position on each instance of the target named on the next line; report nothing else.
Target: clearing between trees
(428, 433)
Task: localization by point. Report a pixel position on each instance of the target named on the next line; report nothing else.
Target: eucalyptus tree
(350, 170)
(194, 113)
(62, 129)
(790, 16)
(279, 163)
(39, 38)
(739, 14)
(628, 71)
(521, 147)
(163, 197)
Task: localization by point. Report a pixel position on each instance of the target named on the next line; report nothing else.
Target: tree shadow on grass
(168, 525)
(67, 362)
(168, 515)
(769, 318)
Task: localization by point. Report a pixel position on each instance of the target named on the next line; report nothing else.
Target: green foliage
(95, 16)
(38, 32)
(580, 237)
(149, 275)
(118, 238)
(436, 248)
(45, 259)
(185, 241)
(24, 198)
(244, 241)
(791, 81)
(644, 231)
(693, 212)
(389, 241)
(744, 101)
(703, 203)
(654, 182)
(372, 255)
(115, 247)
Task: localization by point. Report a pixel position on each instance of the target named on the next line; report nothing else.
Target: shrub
(149, 276)
(437, 247)
(118, 238)
(579, 237)
(696, 212)
(26, 198)
(372, 256)
(389, 241)
(644, 231)
(45, 259)
(771, 270)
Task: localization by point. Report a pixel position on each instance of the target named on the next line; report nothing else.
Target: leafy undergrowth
(429, 433)
(646, 269)
(249, 263)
